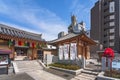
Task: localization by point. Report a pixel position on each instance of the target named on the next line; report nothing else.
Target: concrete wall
(52, 52)
(50, 56)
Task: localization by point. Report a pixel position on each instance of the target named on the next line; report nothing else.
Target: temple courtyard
(28, 72)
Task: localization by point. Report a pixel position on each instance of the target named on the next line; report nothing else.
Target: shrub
(65, 66)
(115, 74)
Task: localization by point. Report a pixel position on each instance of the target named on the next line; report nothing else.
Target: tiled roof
(68, 36)
(4, 29)
(72, 35)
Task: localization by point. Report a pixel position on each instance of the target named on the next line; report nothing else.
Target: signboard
(116, 64)
(4, 59)
(73, 51)
(66, 51)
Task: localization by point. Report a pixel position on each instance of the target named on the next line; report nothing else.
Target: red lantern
(109, 53)
(33, 45)
(19, 43)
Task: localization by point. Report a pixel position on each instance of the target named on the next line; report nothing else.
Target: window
(112, 7)
(111, 43)
(112, 30)
(112, 23)
(112, 16)
(112, 37)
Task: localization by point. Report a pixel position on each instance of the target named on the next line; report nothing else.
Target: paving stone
(22, 76)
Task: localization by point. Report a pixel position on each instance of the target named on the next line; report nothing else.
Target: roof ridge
(17, 29)
(5, 29)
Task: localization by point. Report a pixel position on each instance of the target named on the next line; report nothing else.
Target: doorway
(21, 53)
(40, 55)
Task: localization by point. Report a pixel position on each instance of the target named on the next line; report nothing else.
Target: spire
(73, 20)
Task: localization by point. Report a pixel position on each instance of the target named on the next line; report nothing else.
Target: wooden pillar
(35, 54)
(32, 53)
(85, 52)
(77, 46)
(12, 55)
(69, 50)
(83, 48)
(88, 52)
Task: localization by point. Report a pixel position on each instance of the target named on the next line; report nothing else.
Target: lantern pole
(108, 37)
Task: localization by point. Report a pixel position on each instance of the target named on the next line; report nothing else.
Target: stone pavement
(22, 76)
(26, 66)
(35, 70)
(43, 75)
(29, 72)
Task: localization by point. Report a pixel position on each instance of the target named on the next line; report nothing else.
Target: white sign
(61, 52)
(73, 51)
(116, 64)
(66, 51)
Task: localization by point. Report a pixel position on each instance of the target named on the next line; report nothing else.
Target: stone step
(87, 75)
(84, 77)
(78, 79)
(28, 70)
(37, 68)
(19, 66)
(90, 72)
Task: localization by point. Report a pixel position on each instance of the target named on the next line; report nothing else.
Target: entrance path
(43, 75)
(22, 76)
(34, 69)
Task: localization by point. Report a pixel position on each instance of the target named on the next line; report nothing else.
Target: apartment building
(105, 23)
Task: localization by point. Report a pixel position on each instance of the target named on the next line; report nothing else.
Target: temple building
(76, 44)
(21, 43)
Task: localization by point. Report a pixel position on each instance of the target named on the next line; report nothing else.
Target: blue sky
(48, 17)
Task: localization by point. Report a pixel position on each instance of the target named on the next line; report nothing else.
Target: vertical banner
(73, 51)
(66, 51)
(60, 52)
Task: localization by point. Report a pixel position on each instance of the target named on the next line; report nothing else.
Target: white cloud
(43, 20)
